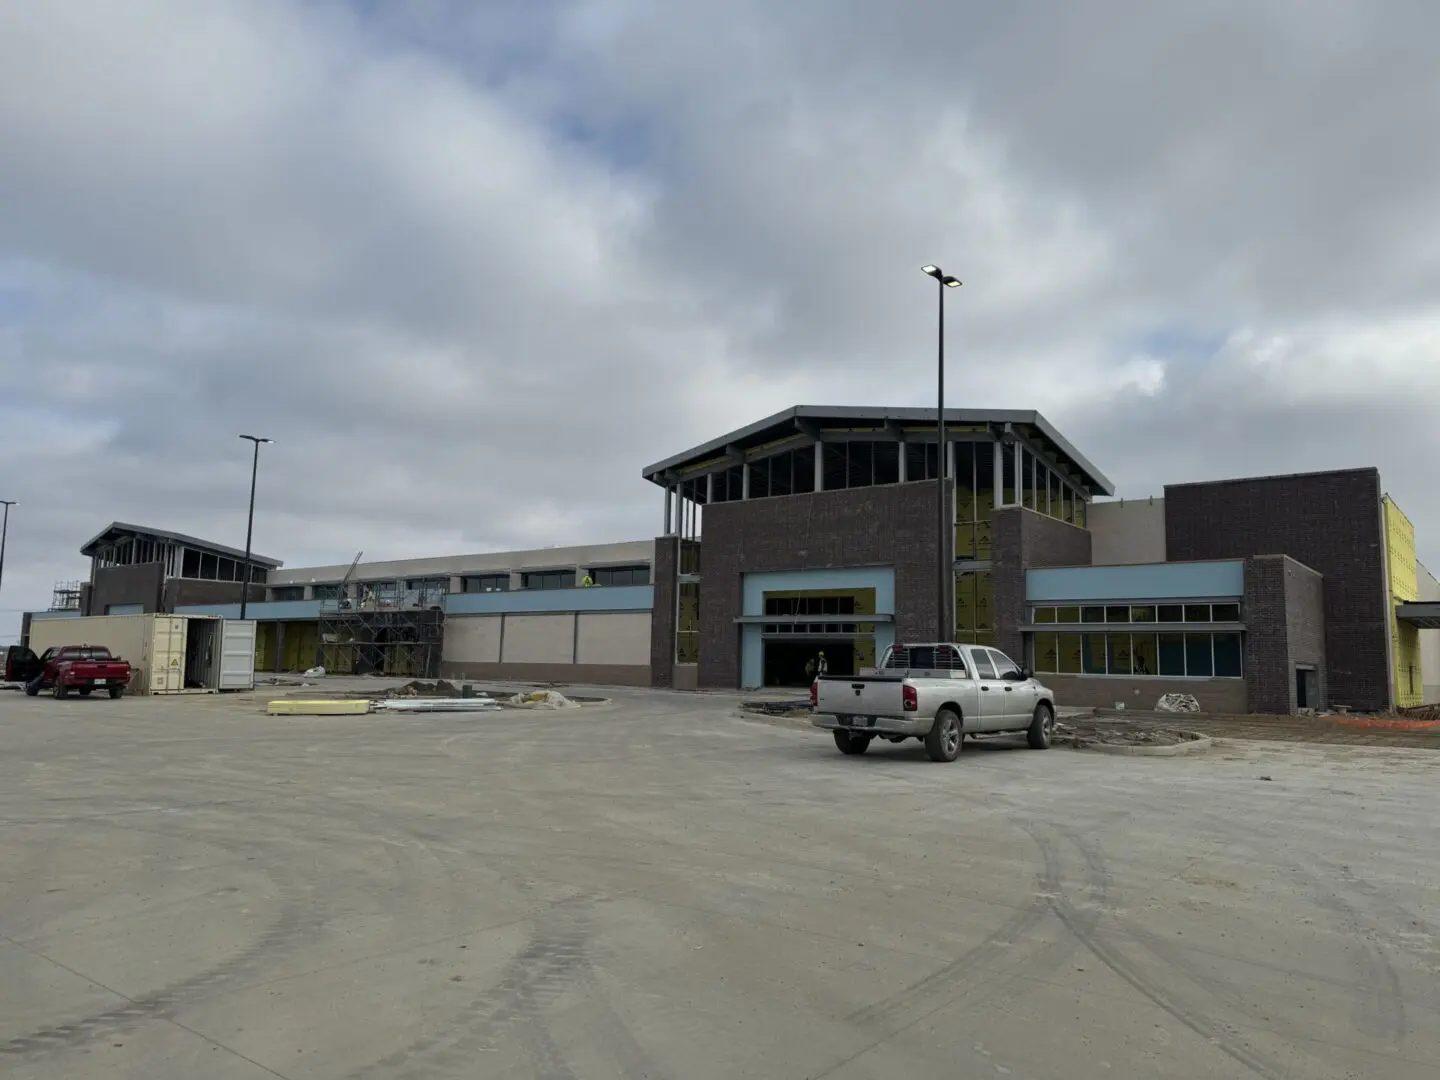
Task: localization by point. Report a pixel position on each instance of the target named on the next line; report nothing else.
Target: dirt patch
(1083, 733)
(779, 708)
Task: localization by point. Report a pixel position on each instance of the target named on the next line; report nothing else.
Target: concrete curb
(1191, 747)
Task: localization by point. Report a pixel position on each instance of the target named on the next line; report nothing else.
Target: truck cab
(939, 693)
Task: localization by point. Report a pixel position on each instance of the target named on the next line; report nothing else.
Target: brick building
(831, 530)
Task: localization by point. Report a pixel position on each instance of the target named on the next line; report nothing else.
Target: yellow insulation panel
(317, 707)
(1407, 678)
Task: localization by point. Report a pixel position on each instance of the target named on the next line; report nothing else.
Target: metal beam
(807, 427)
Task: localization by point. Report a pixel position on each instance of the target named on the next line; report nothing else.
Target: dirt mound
(1088, 732)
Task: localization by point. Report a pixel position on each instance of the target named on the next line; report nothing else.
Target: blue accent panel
(879, 578)
(752, 648)
(262, 611)
(41, 616)
(125, 609)
(1148, 581)
(752, 657)
(599, 598)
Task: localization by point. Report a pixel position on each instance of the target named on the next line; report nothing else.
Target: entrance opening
(785, 660)
(1307, 688)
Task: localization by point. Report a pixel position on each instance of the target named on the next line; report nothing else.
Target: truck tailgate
(107, 670)
(867, 695)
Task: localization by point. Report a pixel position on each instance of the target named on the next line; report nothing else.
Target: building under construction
(399, 635)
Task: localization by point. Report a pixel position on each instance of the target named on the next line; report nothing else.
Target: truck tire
(85, 691)
(850, 743)
(946, 736)
(1042, 727)
(116, 691)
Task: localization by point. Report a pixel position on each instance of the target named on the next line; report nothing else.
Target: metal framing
(374, 639)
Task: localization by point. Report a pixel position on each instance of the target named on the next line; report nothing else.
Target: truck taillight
(814, 693)
(909, 697)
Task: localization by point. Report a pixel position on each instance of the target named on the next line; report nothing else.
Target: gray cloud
(473, 267)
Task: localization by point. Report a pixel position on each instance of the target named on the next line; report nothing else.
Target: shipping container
(168, 654)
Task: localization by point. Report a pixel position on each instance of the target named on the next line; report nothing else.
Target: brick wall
(662, 616)
(1025, 539)
(1327, 521)
(126, 585)
(894, 525)
(1285, 626)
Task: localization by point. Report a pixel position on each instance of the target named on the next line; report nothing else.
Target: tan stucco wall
(1127, 531)
(471, 639)
(620, 637)
(539, 639)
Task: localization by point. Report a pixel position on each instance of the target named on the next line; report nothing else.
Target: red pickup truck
(63, 668)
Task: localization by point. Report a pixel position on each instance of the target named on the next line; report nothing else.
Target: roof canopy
(1026, 423)
(119, 530)
(1424, 615)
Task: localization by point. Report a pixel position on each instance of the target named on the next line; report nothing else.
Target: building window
(329, 591)
(486, 583)
(1093, 614)
(621, 575)
(974, 608)
(1188, 655)
(287, 592)
(548, 579)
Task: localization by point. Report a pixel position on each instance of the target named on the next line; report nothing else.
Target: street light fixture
(4, 531)
(250, 523)
(946, 626)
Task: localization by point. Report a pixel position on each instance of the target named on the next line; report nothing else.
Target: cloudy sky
(474, 264)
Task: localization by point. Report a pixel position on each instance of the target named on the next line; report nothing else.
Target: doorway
(785, 659)
(1307, 688)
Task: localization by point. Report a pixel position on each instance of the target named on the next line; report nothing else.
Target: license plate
(101, 682)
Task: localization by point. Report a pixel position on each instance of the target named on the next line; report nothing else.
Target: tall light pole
(4, 531)
(944, 625)
(250, 523)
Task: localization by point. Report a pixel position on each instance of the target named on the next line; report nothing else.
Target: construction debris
(455, 704)
(542, 699)
(420, 688)
(317, 707)
(315, 673)
(1177, 703)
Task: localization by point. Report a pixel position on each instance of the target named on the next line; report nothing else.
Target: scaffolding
(370, 634)
(65, 596)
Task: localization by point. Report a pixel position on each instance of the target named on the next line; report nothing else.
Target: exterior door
(991, 691)
(1019, 694)
(236, 655)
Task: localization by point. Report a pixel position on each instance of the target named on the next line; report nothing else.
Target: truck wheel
(850, 743)
(61, 690)
(116, 691)
(946, 736)
(85, 691)
(1042, 727)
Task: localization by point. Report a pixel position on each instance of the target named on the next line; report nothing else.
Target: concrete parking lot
(658, 888)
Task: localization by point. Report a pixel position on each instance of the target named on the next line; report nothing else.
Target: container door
(167, 655)
(237, 655)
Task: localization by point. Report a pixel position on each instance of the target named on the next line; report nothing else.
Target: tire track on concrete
(1074, 920)
(528, 987)
(297, 919)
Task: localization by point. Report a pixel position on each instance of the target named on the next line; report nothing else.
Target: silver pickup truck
(938, 694)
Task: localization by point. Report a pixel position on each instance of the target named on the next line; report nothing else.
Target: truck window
(984, 669)
(925, 658)
(1003, 664)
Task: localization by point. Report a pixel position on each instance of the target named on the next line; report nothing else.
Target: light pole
(4, 531)
(250, 523)
(945, 626)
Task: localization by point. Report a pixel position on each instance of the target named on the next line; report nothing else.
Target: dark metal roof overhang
(119, 530)
(816, 419)
(1424, 614)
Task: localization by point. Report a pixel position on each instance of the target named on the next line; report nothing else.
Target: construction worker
(587, 582)
(821, 667)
